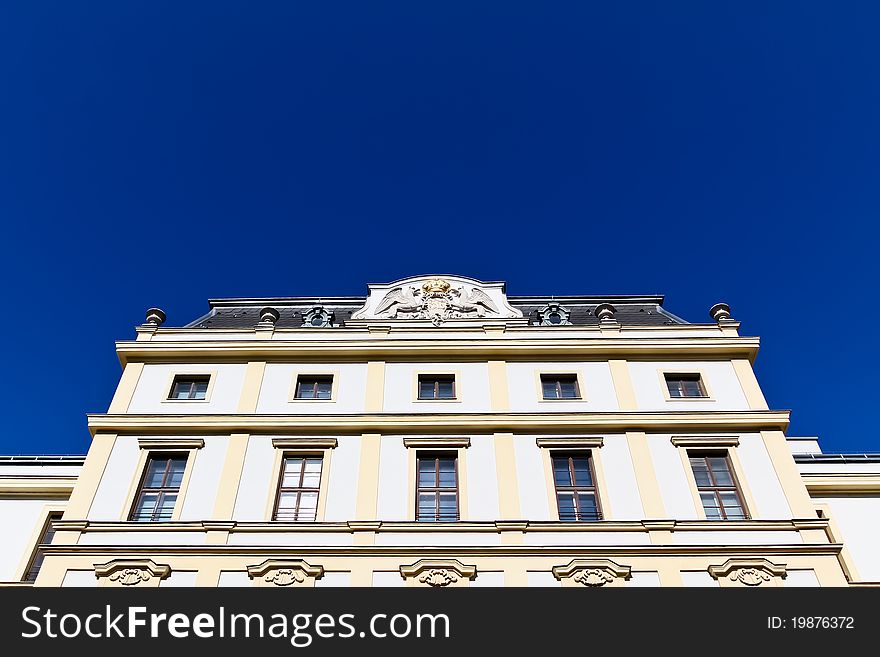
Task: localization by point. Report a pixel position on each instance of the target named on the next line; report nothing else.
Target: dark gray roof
(245, 313)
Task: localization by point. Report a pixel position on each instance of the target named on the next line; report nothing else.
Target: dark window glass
(314, 387)
(437, 494)
(436, 386)
(560, 386)
(685, 385)
(45, 539)
(575, 488)
(159, 489)
(717, 486)
(189, 387)
(298, 489)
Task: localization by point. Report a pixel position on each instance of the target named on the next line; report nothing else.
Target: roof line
(544, 298)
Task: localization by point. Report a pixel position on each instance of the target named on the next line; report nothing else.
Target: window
(298, 489)
(159, 488)
(717, 486)
(437, 494)
(685, 385)
(45, 539)
(560, 386)
(575, 487)
(436, 386)
(314, 387)
(189, 387)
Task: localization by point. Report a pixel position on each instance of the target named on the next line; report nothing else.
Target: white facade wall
(623, 501)
(118, 479)
(858, 519)
(471, 388)
(482, 479)
(343, 472)
(762, 480)
(672, 478)
(531, 476)
(253, 502)
(24, 518)
(279, 381)
(154, 386)
(596, 387)
(393, 495)
(719, 377)
(204, 484)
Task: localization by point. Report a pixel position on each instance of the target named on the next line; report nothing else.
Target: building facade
(440, 433)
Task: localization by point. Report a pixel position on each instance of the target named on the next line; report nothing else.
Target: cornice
(23, 486)
(509, 345)
(544, 423)
(848, 482)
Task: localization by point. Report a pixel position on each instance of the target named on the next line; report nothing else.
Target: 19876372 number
(811, 623)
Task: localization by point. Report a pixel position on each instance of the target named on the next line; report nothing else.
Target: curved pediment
(436, 298)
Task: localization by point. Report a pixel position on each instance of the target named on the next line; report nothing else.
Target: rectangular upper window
(298, 489)
(560, 386)
(719, 492)
(188, 386)
(159, 488)
(45, 539)
(575, 485)
(437, 494)
(436, 386)
(685, 385)
(312, 386)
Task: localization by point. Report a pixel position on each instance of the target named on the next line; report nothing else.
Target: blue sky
(161, 153)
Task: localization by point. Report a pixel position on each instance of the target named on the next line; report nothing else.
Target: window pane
(569, 389)
(561, 474)
(567, 511)
(155, 473)
(710, 506)
(427, 506)
(692, 388)
(445, 389)
(287, 504)
(448, 506)
(674, 388)
(701, 472)
(147, 503)
(201, 389)
(324, 389)
(165, 508)
(427, 475)
(587, 506)
(426, 390)
(447, 473)
(549, 388)
(175, 473)
(731, 506)
(292, 472)
(312, 480)
(582, 475)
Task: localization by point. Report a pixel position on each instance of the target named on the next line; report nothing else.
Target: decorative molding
(573, 442)
(705, 441)
(285, 572)
(171, 443)
(317, 317)
(836, 482)
(439, 442)
(304, 443)
(438, 572)
(747, 572)
(128, 423)
(132, 572)
(592, 573)
(554, 315)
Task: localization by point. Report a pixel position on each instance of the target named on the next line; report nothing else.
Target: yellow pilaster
(90, 477)
(749, 383)
(375, 398)
(230, 476)
(626, 396)
(368, 477)
(125, 390)
(646, 478)
(498, 391)
(250, 390)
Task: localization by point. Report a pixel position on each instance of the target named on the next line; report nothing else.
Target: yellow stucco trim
(789, 477)
(37, 533)
(740, 421)
(250, 389)
(375, 398)
(90, 477)
(623, 387)
(834, 535)
(230, 476)
(749, 383)
(127, 385)
(505, 471)
(841, 483)
(49, 486)
(646, 478)
(499, 395)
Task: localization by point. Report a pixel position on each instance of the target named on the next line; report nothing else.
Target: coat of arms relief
(437, 300)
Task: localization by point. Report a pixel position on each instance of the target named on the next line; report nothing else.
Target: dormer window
(317, 317)
(554, 315)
